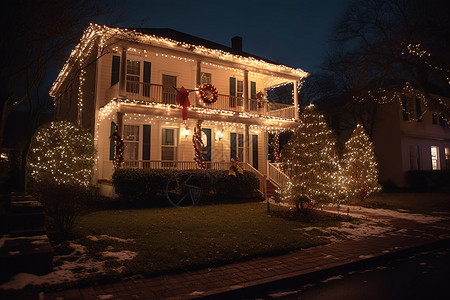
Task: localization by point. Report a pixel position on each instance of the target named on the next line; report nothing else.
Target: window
(168, 92)
(237, 146)
(435, 158)
(169, 144)
(405, 108)
(236, 92)
(253, 101)
(447, 158)
(205, 78)
(133, 76)
(434, 118)
(131, 142)
(240, 147)
(115, 70)
(418, 110)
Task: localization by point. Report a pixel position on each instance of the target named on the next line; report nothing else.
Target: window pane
(168, 153)
(168, 137)
(131, 151)
(205, 78)
(435, 158)
(133, 67)
(131, 133)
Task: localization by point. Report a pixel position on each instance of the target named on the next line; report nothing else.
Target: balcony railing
(157, 93)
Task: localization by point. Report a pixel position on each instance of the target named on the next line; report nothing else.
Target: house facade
(410, 135)
(129, 80)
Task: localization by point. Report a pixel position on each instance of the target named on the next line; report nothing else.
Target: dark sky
(290, 32)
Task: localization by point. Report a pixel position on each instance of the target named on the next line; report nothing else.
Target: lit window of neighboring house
(435, 158)
(447, 158)
(131, 142)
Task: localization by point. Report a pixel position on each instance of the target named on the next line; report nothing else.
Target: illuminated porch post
(296, 116)
(123, 73)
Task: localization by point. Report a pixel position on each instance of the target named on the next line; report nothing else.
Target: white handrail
(276, 175)
(261, 177)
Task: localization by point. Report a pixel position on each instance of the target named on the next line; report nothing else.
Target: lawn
(171, 239)
(415, 202)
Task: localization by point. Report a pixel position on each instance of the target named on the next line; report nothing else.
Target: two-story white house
(127, 78)
(410, 135)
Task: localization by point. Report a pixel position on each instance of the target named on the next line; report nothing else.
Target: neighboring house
(126, 78)
(410, 135)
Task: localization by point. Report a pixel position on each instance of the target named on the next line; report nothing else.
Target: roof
(193, 40)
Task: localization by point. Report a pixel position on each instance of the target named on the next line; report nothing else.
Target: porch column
(245, 90)
(123, 73)
(198, 80)
(247, 144)
(296, 116)
(120, 123)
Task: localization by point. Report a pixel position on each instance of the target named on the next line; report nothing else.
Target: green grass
(415, 202)
(171, 239)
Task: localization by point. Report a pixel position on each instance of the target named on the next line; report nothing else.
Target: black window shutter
(252, 90)
(147, 72)
(115, 70)
(111, 141)
(146, 142)
(255, 151)
(232, 86)
(233, 145)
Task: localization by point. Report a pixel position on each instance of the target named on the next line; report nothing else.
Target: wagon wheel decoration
(181, 193)
(208, 93)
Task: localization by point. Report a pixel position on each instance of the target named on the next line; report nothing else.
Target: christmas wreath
(208, 93)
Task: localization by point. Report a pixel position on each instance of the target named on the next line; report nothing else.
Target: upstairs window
(205, 78)
(133, 76)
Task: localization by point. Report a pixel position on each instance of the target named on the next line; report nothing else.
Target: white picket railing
(261, 177)
(275, 174)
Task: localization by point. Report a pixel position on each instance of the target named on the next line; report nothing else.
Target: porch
(163, 94)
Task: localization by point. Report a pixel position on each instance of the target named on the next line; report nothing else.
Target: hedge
(148, 186)
(428, 180)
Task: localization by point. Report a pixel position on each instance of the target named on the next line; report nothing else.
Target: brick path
(262, 271)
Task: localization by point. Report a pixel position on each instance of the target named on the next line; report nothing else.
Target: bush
(62, 203)
(148, 186)
(427, 180)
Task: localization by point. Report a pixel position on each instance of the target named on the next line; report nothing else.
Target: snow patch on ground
(68, 268)
(105, 237)
(122, 255)
(332, 278)
(380, 213)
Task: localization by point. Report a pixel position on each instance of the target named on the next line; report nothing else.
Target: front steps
(24, 246)
(270, 189)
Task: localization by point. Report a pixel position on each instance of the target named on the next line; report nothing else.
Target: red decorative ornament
(183, 100)
(208, 93)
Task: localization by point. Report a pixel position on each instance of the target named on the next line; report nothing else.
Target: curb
(250, 289)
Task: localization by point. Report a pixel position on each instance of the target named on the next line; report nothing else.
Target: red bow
(183, 100)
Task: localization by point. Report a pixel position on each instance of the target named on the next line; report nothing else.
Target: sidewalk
(252, 275)
(248, 276)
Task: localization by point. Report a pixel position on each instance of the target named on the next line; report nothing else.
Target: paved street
(424, 275)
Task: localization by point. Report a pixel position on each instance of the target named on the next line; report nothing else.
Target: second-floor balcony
(157, 93)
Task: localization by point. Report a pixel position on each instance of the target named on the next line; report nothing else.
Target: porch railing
(261, 177)
(169, 164)
(276, 175)
(150, 92)
(281, 110)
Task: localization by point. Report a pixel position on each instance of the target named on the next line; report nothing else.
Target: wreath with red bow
(208, 93)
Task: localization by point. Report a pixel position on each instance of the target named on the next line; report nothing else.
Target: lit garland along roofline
(95, 30)
(205, 113)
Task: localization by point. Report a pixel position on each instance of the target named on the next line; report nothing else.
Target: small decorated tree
(310, 162)
(360, 166)
(61, 152)
(60, 162)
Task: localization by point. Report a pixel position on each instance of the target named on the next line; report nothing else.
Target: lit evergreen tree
(61, 152)
(360, 166)
(310, 162)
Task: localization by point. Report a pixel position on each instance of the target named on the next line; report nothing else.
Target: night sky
(293, 33)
